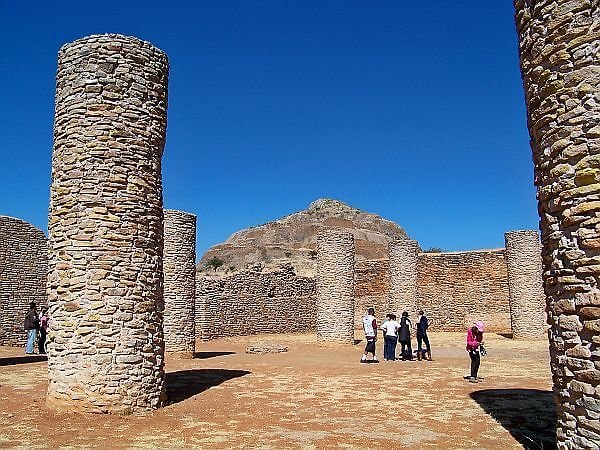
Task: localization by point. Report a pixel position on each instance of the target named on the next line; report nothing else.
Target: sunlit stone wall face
(403, 276)
(105, 283)
(335, 286)
(526, 294)
(180, 269)
(23, 273)
(559, 44)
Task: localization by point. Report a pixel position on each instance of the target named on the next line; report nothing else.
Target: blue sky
(411, 110)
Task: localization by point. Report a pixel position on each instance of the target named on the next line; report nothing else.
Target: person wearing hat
(404, 337)
(474, 343)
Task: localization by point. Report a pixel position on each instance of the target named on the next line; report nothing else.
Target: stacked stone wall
(403, 276)
(335, 286)
(371, 289)
(105, 282)
(23, 274)
(179, 265)
(526, 294)
(455, 289)
(252, 302)
(559, 44)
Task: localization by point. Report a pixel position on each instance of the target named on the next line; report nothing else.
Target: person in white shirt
(370, 327)
(390, 329)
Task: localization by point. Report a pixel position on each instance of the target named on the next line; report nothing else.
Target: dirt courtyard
(314, 396)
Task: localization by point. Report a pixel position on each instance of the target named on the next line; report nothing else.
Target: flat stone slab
(266, 347)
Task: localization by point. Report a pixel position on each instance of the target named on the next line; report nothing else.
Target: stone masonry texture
(335, 286)
(559, 44)
(526, 293)
(105, 282)
(403, 277)
(179, 265)
(23, 273)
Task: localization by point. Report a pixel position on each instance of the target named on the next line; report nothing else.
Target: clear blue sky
(411, 110)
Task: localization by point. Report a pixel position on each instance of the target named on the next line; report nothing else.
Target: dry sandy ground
(314, 396)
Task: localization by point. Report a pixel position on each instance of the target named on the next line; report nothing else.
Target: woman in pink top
(474, 342)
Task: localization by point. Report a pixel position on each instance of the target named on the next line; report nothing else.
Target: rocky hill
(292, 239)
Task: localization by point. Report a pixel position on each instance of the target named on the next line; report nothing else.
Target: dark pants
(390, 347)
(370, 347)
(42, 341)
(475, 361)
(406, 350)
(422, 337)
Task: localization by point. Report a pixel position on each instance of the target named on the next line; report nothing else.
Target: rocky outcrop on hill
(292, 239)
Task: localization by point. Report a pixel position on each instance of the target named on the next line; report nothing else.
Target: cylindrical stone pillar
(403, 276)
(560, 66)
(179, 265)
(105, 281)
(526, 293)
(335, 286)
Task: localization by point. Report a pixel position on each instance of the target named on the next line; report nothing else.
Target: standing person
(391, 337)
(43, 331)
(385, 342)
(474, 343)
(31, 324)
(404, 336)
(422, 326)
(370, 328)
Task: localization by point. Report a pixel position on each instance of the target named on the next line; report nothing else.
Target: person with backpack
(31, 325)
(370, 329)
(422, 326)
(404, 337)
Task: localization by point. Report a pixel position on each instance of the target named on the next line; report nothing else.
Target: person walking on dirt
(370, 328)
(390, 329)
(43, 331)
(31, 324)
(422, 326)
(474, 344)
(404, 336)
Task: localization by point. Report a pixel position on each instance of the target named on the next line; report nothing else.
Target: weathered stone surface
(105, 227)
(558, 45)
(179, 265)
(335, 286)
(23, 272)
(403, 277)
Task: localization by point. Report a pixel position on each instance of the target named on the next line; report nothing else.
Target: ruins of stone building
(453, 288)
(23, 273)
(559, 47)
(179, 266)
(105, 281)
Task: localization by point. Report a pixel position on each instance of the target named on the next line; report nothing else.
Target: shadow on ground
(184, 384)
(529, 415)
(206, 355)
(506, 335)
(14, 360)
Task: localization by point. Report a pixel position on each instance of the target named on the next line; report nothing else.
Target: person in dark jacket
(43, 331)
(31, 325)
(404, 336)
(422, 326)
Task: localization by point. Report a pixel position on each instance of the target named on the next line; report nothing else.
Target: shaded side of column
(526, 294)
(335, 286)
(558, 46)
(105, 281)
(179, 265)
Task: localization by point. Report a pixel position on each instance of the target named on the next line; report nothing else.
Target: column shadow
(14, 360)
(529, 415)
(184, 384)
(206, 355)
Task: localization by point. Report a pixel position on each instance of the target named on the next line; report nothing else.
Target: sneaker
(473, 380)
(363, 361)
(375, 360)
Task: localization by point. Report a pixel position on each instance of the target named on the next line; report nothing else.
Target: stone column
(180, 269)
(526, 294)
(403, 276)
(335, 286)
(560, 66)
(105, 281)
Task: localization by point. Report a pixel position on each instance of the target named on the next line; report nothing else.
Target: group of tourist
(36, 326)
(394, 332)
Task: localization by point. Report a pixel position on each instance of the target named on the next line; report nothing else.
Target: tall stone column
(560, 65)
(105, 282)
(335, 286)
(526, 294)
(403, 276)
(180, 278)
